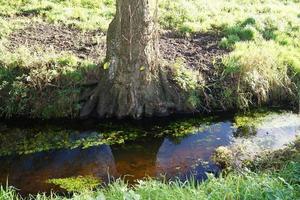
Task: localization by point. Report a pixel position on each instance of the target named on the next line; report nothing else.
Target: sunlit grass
(263, 185)
(264, 37)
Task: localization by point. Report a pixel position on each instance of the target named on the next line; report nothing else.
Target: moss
(76, 184)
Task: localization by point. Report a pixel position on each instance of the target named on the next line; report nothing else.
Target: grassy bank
(36, 74)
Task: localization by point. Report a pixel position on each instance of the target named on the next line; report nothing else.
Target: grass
(36, 84)
(179, 15)
(263, 67)
(83, 14)
(262, 185)
(262, 72)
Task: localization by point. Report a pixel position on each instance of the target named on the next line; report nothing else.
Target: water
(158, 157)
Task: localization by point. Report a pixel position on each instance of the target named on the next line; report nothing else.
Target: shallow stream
(153, 148)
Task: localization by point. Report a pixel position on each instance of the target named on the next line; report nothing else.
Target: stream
(156, 155)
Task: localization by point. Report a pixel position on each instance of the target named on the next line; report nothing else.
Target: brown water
(167, 157)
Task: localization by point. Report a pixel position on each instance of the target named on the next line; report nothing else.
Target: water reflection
(184, 157)
(153, 157)
(171, 157)
(274, 132)
(30, 172)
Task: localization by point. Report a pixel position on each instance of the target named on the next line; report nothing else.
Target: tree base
(159, 97)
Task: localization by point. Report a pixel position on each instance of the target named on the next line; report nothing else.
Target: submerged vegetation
(253, 118)
(39, 139)
(27, 141)
(275, 173)
(76, 184)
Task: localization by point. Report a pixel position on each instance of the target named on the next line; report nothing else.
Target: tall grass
(277, 185)
(260, 72)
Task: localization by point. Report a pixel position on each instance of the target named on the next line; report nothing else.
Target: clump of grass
(189, 81)
(184, 77)
(259, 73)
(244, 31)
(8, 193)
(278, 159)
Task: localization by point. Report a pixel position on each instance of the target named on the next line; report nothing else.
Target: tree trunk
(132, 82)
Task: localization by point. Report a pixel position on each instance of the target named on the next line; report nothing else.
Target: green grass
(283, 184)
(83, 14)
(36, 84)
(263, 67)
(262, 71)
(185, 16)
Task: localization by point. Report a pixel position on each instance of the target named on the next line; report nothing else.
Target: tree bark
(132, 82)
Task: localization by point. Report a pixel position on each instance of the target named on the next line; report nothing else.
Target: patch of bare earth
(85, 45)
(198, 52)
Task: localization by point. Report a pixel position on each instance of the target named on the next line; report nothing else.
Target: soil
(198, 52)
(85, 45)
